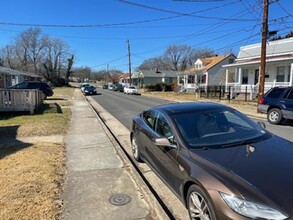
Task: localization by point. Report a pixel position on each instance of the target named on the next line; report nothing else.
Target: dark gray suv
(277, 103)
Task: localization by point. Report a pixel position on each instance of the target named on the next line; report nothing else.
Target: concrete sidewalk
(95, 172)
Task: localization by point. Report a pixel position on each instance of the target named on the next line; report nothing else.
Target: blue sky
(150, 26)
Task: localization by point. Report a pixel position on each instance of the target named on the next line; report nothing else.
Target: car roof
(189, 107)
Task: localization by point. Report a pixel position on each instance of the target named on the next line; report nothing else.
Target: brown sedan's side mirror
(164, 142)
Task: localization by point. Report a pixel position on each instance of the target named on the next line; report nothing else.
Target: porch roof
(9, 71)
(274, 48)
(268, 60)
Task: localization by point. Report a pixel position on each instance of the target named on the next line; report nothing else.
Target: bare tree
(30, 49)
(177, 56)
(154, 63)
(56, 61)
(7, 56)
(35, 52)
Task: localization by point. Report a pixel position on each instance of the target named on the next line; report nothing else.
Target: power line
(189, 14)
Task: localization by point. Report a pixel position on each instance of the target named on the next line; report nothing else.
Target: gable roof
(209, 63)
(283, 47)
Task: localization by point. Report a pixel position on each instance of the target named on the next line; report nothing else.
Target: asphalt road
(124, 107)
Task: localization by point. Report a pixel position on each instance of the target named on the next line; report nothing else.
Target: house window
(190, 79)
(231, 61)
(245, 76)
(280, 74)
(198, 66)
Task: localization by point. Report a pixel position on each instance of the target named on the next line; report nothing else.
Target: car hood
(266, 166)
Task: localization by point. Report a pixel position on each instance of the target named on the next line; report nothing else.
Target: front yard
(31, 172)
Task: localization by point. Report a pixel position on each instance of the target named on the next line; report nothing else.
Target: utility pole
(129, 61)
(263, 49)
(107, 77)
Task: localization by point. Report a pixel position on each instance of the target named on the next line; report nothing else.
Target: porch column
(239, 75)
(227, 77)
(207, 79)
(291, 75)
(235, 73)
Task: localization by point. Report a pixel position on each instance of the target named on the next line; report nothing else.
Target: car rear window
(275, 93)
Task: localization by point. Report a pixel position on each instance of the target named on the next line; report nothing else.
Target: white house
(205, 72)
(244, 73)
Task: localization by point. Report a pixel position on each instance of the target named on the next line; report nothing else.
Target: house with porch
(10, 77)
(205, 72)
(144, 78)
(243, 75)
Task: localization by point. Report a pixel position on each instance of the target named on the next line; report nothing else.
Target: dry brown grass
(30, 180)
(31, 175)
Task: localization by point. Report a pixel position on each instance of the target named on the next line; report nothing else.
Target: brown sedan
(221, 164)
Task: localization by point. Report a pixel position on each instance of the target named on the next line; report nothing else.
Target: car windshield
(89, 87)
(218, 129)
(132, 87)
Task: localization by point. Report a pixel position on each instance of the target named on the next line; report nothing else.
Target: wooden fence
(20, 100)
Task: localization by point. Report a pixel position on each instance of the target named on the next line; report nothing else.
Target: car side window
(290, 96)
(150, 118)
(164, 129)
(275, 93)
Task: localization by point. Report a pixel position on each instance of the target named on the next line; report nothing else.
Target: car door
(164, 158)
(288, 105)
(146, 134)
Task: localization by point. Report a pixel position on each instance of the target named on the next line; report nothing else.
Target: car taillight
(261, 101)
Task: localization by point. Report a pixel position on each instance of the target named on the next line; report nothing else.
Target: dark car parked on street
(219, 163)
(118, 88)
(90, 90)
(277, 103)
(44, 87)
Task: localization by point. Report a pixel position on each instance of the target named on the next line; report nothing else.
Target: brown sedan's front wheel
(135, 149)
(198, 204)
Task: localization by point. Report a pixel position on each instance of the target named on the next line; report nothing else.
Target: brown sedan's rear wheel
(198, 204)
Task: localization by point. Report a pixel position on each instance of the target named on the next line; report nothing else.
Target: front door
(256, 76)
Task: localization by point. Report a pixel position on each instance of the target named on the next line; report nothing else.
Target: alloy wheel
(274, 116)
(198, 207)
(134, 148)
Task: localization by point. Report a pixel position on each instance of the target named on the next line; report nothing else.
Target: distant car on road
(84, 85)
(90, 90)
(110, 87)
(44, 87)
(277, 103)
(219, 163)
(118, 88)
(131, 90)
(105, 86)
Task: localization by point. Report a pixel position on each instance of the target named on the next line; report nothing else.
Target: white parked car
(130, 90)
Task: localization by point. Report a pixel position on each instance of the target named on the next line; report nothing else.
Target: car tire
(275, 116)
(135, 149)
(198, 205)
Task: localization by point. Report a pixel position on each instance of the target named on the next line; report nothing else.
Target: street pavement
(97, 171)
